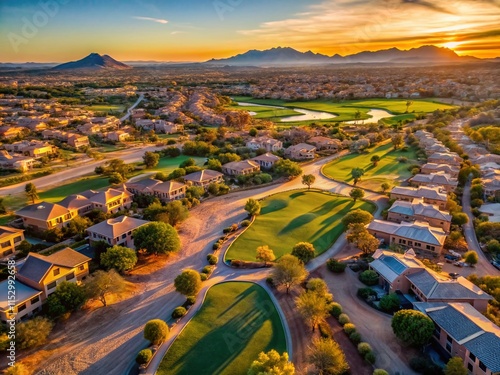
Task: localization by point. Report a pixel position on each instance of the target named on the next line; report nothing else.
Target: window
(482, 366)
(52, 285)
(473, 357)
(124, 235)
(57, 271)
(17, 239)
(81, 268)
(470, 367)
(35, 300)
(21, 307)
(7, 252)
(5, 244)
(70, 276)
(437, 331)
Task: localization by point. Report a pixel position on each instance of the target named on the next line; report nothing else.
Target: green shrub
(216, 245)
(144, 356)
(227, 230)
(325, 330)
(207, 269)
(369, 277)
(380, 371)
(335, 309)
(335, 266)
(344, 319)
(366, 292)
(370, 358)
(179, 312)
(212, 259)
(390, 303)
(355, 337)
(191, 300)
(349, 328)
(364, 348)
(203, 276)
(156, 331)
(270, 281)
(245, 223)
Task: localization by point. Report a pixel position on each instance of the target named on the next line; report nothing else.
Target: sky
(198, 30)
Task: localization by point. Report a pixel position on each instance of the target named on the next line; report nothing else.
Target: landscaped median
(236, 322)
(290, 217)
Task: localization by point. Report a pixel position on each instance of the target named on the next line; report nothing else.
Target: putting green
(236, 322)
(290, 217)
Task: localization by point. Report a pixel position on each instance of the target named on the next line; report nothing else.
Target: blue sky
(197, 30)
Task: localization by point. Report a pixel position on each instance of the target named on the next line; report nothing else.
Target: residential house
(418, 235)
(418, 210)
(77, 205)
(464, 332)
(39, 276)
(35, 149)
(170, 190)
(325, 143)
(44, 216)
(302, 151)
(118, 136)
(117, 231)
(89, 128)
(32, 124)
(442, 179)
(72, 139)
(238, 168)
(9, 239)
(78, 141)
(428, 194)
(491, 185)
(492, 210)
(449, 158)
(435, 168)
(110, 200)
(267, 143)
(266, 161)
(204, 178)
(22, 163)
(145, 187)
(9, 132)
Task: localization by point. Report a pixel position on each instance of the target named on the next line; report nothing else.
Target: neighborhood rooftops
(113, 228)
(204, 175)
(421, 192)
(43, 211)
(419, 231)
(23, 293)
(390, 266)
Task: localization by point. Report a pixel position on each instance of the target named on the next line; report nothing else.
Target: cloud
(177, 32)
(158, 20)
(429, 5)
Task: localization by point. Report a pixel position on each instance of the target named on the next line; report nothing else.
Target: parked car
(496, 264)
(459, 264)
(451, 257)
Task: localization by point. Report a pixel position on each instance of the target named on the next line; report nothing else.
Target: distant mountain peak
(94, 61)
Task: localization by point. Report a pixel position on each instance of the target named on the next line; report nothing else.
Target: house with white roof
(431, 195)
(418, 210)
(439, 179)
(266, 161)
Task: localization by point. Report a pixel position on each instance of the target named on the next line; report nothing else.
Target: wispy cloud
(177, 32)
(158, 20)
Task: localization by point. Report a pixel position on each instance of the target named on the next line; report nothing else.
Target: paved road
(484, 267)
(129, 111)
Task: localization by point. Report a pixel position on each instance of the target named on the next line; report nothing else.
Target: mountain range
(289, 56)
(93, 61)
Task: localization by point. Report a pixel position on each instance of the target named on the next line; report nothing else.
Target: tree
(252, 207)
(455, 366)
(308, 180)
(101, 283)
(117, 166)
(471, 257)
(375, 159)
(304, 251)
(272, 363)
(144, 356)
(214, 164)
(3, 210)
(156, 331)
(390, 302)
(67, 297)
(412, 327)
(116, 178)
(358, 216)
(120, 258)
(397, 140)
(288, 271)
(312, 307)
(327, 357)
(77, 226)
(176, 212)
(459, 218)
(356, 174)
(151, 159)
(157, 238)
(287, 168)
(408, 104)
(33, 333)
(356, 193)
(188, 283)
(31, 193)
(265, 254)
(367, 243)
(385, 186)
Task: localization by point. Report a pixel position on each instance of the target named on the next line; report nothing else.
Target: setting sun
(452, 45)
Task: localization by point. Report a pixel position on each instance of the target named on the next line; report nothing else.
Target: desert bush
(191, 300)
(370, 358)
(349, 328)
(366, 292)
(203, 276)
(245, 223)
(369, 277)
(207, 269)
(335, 266)
(325, 330)
(178, 312)
(144, 356)
(212, 259)
(355, 337)
(270, 281)
(344, 319)
(364, 348)
(156, 331)
(380, 371)
(335, 309)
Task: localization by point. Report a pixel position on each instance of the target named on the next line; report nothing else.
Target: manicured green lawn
(169, 164)
(346, 110)
(266, 112)
(106, 108)
(290, 217)
(388, 169)
(61, 192)
(236, 322)
(6, 219)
